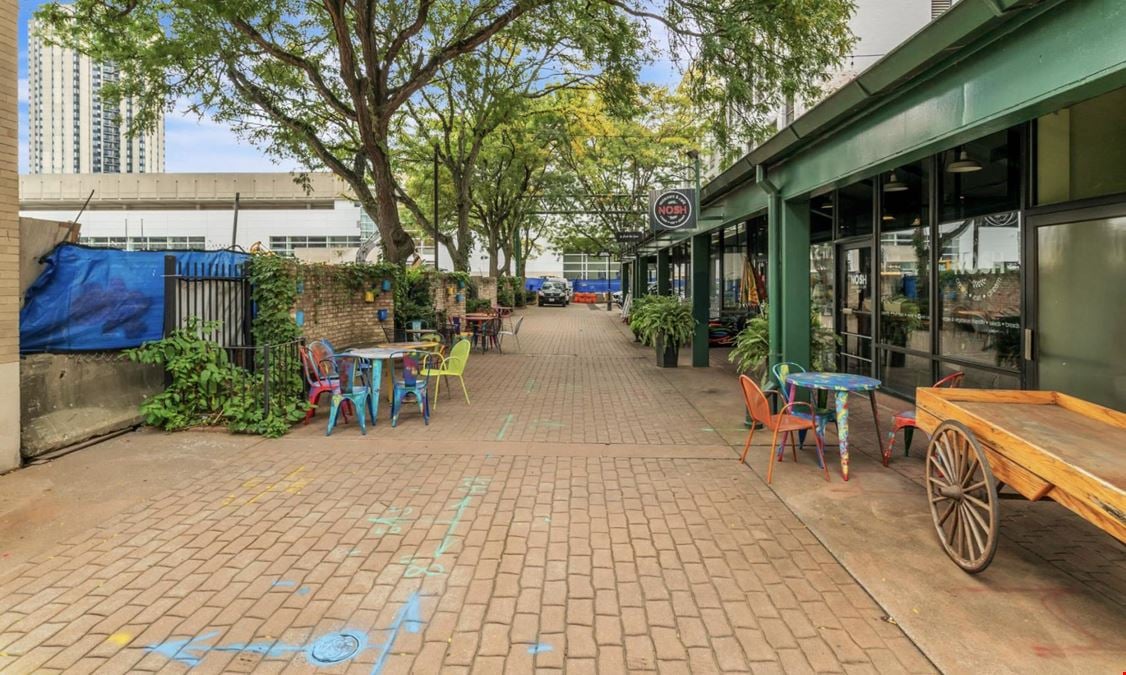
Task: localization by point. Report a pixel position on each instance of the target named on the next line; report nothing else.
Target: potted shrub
(751, 353)
(666, 323)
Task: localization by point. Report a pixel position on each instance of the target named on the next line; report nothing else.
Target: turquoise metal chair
(821, 416)
(415, 381)
(357, 389)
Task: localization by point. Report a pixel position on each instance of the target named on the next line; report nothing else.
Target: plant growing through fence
(206, 389)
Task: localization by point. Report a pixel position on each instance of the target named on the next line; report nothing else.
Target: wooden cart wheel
(963, 496)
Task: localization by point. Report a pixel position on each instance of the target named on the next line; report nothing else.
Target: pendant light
(963, 164)
(894, 184)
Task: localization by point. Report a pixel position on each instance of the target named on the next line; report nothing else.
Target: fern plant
(665, 317)
(751, 353)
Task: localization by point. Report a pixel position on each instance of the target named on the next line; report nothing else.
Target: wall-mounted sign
(628, 237)
(671, 210)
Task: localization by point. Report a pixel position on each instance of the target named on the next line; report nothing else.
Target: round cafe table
(387, 352)
(840, 384)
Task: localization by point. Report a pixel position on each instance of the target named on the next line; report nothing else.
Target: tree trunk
(493, 267)
(397, 244)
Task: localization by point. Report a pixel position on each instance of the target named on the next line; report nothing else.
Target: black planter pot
(667, 354)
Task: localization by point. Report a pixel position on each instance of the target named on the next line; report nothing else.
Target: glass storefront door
(1080, 321)
(855, 304)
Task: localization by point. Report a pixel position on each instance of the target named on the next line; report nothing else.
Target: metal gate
(217, 294)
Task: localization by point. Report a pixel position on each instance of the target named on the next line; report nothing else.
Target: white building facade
(71, 128)
(197, 211)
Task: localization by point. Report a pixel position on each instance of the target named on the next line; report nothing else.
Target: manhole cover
(334, 648)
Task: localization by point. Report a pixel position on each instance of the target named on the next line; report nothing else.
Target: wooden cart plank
(1037, 439)
(1029, 485)
(1078, 440)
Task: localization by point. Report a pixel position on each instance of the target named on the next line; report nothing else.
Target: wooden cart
(1041, 444)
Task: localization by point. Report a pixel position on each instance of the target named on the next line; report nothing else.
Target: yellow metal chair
(451, 366)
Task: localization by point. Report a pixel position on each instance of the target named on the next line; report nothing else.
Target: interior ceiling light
(894, 184)
(963, 164)
(888, 217)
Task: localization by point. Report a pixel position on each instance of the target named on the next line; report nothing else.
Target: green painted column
(664, 268)
(795, 282)
(624, 277)
(642, 281)
(774, 275)
(701, 296)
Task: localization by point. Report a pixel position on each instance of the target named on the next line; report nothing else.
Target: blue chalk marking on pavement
(182, 650)
(285, 583)
(539, 648)
(410, 616)
(328, 649)
(304, 590)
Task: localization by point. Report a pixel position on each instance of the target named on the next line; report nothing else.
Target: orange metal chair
(782, 423)
(906, 419)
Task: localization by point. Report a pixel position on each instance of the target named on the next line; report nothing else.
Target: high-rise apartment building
(72, 129)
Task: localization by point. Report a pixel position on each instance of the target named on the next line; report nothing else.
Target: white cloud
(191, 146)
(203, 145)
(23, 91)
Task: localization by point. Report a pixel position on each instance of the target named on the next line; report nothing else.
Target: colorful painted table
(841, 384)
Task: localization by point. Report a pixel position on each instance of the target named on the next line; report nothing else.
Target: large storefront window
(854, 207)
(981, 177)
(905, 260)
(980, 291)
(904, 279)
(821, 281)
(680, 277)
(1080, 150)
(734, 266)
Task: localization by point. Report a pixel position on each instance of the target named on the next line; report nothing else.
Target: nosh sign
(672, 210)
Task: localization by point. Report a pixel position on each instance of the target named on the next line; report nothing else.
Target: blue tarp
(594, 285)
(579, 285)
(89, 299)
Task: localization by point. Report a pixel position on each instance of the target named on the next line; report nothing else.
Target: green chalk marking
(504, 427)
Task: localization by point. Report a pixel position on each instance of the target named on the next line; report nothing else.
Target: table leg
(879, 434)
(842, 429)
(782, 445)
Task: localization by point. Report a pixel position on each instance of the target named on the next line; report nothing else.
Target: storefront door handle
(1027, 344)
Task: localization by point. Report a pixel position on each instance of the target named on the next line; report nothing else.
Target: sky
(192, 145)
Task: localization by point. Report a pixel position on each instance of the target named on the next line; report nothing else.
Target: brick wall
(445, 298)
(333, 311)
(487, 289)
(9, 240)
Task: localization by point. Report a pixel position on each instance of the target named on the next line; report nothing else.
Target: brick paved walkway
(537, 529)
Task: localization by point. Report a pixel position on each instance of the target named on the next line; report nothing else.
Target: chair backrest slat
(757, 405)
(783, 370)
(459, 355)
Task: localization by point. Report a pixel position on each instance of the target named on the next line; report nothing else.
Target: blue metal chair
(358, 390)
(821, 417)
(415, 381)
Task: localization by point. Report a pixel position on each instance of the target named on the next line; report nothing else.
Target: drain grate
(334, 648)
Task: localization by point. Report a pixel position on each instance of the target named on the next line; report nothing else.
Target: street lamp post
(609, 298)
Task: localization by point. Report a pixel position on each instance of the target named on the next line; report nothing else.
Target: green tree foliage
(456, 115)
(612, 163)
(515, 176)
(326, 82)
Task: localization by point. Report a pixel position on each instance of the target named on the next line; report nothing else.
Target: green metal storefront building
(961, 205)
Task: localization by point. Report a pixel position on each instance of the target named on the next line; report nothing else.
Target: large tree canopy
(325, 81)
